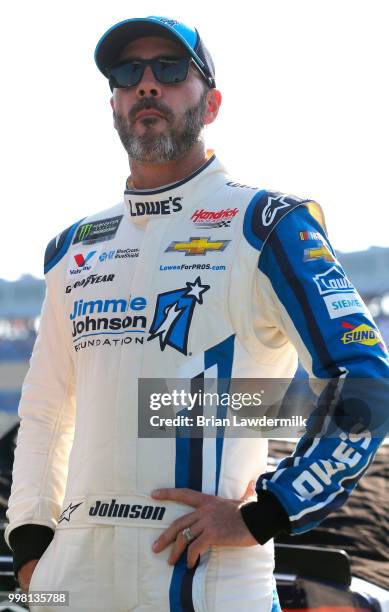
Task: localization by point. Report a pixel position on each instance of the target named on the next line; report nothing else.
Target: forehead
(148, 47)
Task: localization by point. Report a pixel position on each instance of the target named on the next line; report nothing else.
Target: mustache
(150, 103)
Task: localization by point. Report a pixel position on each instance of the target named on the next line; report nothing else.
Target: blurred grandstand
(20, 304)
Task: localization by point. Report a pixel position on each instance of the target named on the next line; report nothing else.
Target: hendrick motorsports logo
(97, 231)
(173, 315)
(213, 218)
(197, 246)
(363, 334)
(333, 280)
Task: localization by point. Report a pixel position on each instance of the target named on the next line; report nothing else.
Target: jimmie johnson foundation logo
(173, 315)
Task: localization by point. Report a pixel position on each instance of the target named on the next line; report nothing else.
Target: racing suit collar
(169, 200)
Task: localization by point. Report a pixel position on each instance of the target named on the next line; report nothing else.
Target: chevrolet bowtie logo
(319, 253)
(197, 246)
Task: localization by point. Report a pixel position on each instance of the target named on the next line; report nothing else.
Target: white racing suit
(202, 278)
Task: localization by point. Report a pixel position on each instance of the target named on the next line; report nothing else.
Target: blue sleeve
(337, 340)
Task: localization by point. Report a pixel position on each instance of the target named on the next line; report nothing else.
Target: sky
(305, 111)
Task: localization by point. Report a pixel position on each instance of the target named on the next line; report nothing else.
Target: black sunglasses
(168, 71)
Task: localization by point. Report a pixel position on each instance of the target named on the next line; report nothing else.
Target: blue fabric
(330, 458)
(276, 606)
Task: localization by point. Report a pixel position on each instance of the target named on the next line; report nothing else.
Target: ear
(113, 110)
(214, 100)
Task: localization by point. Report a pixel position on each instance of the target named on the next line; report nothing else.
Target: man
(194, 276)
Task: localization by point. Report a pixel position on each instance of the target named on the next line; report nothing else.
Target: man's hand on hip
(25, 573)
(216, 521)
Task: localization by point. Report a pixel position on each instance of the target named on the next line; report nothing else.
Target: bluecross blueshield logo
(173, 315)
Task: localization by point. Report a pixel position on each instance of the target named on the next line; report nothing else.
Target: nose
(148, 86)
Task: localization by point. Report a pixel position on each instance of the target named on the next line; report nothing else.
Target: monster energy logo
(84, 231)
(98, 231)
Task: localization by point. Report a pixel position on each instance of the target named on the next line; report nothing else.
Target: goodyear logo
(363, 334)
(197, 246)
(321, 252)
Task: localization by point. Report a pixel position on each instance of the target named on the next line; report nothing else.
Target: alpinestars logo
(66, 514)
(173, 315)
(274, 205)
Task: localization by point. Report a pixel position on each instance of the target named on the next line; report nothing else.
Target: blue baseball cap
(116, 38)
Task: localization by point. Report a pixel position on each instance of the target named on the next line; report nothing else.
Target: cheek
(122, 101)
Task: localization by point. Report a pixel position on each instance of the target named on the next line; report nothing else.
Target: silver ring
(188, 535)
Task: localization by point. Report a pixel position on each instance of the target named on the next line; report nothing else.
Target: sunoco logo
(363, 334)
(158, 207)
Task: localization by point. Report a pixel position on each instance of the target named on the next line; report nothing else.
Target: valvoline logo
(81, 260)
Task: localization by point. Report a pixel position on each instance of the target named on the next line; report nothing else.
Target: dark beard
(170, 145)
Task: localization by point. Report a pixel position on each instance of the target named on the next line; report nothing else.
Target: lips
(151, 112)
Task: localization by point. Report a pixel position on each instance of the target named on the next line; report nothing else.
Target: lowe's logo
(333, 280)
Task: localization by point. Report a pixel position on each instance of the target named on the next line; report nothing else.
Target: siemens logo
(342, 304)
(134, 511)
(81, 307)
